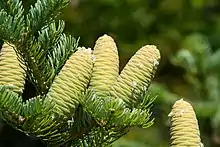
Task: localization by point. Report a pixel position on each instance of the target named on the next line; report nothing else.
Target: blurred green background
(187, 33)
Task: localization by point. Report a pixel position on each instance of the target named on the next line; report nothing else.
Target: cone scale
(106, 66)
(184, 130)
(137, 73)
(11, 73)
(72, 80)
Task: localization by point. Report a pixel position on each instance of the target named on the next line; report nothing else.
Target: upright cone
(106, 66)
(72, 80)
(184, 129)
(137, 74)
(11, 73)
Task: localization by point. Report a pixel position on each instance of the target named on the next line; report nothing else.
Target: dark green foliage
(40, 121)
(10, 106)
(11, 20)
(43, 13)
(111, 119)
(100, 137)
(48, 53)
(113, 112)
(38, 38)
(43, 49)
(81, 123)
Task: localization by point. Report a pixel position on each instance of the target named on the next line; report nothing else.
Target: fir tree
(81, 98)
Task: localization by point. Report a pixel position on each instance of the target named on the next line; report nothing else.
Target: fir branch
(40, 67)
(99, 137)
(143, 100)
(12, 7)
(64, 48)
(43, 13)
(49, 36)
(11, 20)
(29, 55)
(113, 112)
(113, 119)
(45, 55)
(40, 121)
(37, 106)
(10, 106)
(81, 123)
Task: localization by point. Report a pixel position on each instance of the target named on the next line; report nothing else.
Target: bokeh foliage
(187, 34)
(181, 29)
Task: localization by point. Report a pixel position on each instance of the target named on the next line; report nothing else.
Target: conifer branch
(42, 122)
(82, 123)
(42, 47)
(12, 7)
(62, 51)
(61, 115)
(99, 137)
(43, 13)
(44, 56)
(143, 99)
(113, 112)
(11, 20)
(10, 106)
(112, 119)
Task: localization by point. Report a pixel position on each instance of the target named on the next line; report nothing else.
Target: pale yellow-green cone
(106, 65)
(72, 80)
(184, 129)
(138, 73)
(11, 73)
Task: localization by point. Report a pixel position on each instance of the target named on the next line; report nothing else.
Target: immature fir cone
(11, 73)
(106, 66)
(138, 73)
(72, 80)
(184, 129)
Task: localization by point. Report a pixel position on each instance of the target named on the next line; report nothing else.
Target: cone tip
(154, 49)
(88, 50)
(105, 37)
